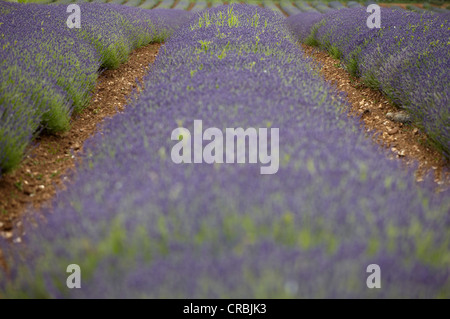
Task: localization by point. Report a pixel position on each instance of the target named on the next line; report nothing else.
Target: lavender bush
(148, 4)
(302, 24)
(304, 6)
(289, 8)
(140, 225)
(269, 4)
(48, 70)
(183, 4)
(199, 6)
(407, 59)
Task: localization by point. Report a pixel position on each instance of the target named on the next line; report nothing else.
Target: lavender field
(408, 59)
(140, 225)
(48, 70)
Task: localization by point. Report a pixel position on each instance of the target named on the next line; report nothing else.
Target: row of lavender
(140, 225)
(48, 70)
(408, 59)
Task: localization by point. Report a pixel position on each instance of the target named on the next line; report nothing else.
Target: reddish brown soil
(44, 168)
(405, 141)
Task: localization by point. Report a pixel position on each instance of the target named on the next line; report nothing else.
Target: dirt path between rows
(405, 141)
(52, 157)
